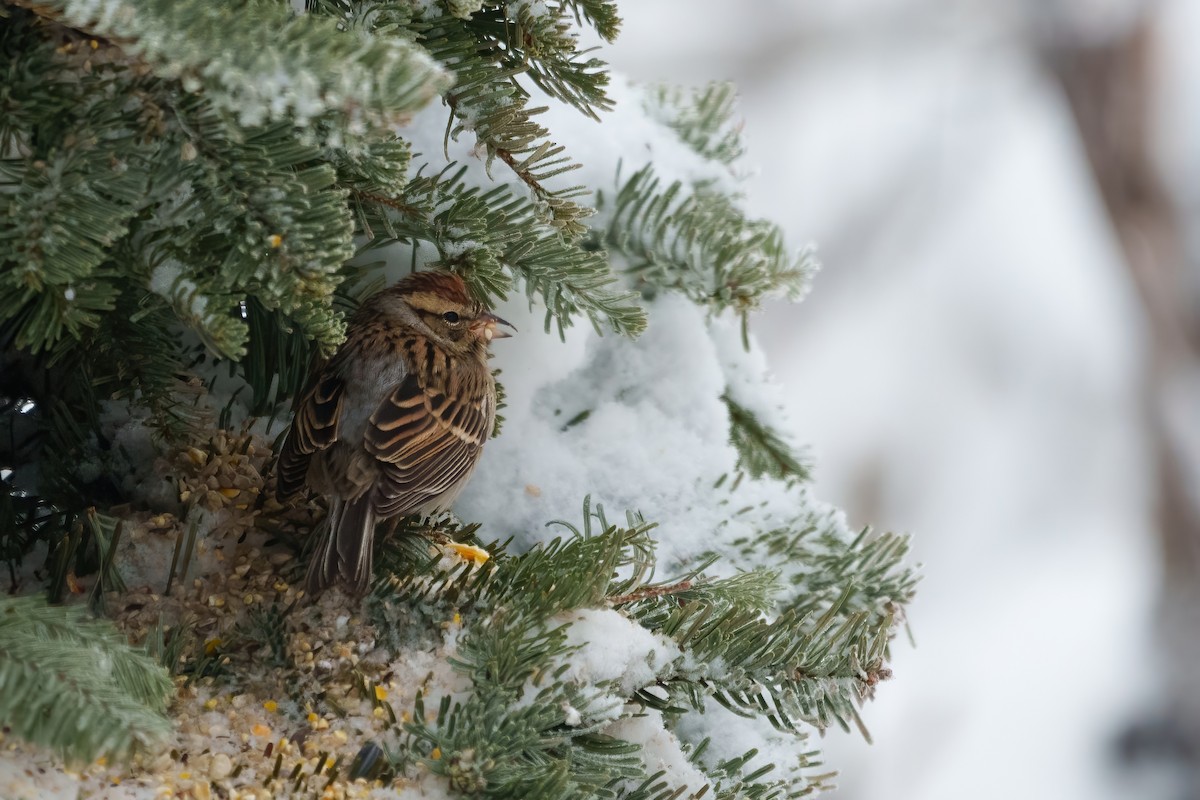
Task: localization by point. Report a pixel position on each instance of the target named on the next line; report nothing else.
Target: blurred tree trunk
(1111, 89)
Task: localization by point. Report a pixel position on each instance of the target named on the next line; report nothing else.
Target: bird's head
(440, 302)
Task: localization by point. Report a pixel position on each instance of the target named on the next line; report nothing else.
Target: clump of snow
(737, 735)
(167, 281)
(428, 9)
(430, 669)
(454, 249)
(748, 377)
(661, 750)
(611, 647)
(22, 780)
(535, 8)
(655, 438)
(463, 9)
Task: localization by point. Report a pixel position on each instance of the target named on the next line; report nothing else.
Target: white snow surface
(20, 780)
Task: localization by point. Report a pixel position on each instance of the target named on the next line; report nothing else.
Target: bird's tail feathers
(344, 551)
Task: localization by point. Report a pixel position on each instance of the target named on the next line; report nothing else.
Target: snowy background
(970, 364)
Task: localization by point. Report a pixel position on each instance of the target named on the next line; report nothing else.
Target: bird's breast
(367, 383)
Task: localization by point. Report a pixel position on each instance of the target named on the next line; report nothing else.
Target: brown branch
(505, 155)
(524, 174)
(392, 203)
(647, 592)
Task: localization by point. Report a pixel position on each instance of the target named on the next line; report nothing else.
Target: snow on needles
(625, 139)
(613, 648)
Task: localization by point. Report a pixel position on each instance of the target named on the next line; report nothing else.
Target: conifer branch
(696, 241)
(600, 14)
(761, 451)
(74, 685)
(807, 664)
(200, 211)
(542, 161)
(485, 234)
(491, 104)
(215, 46)
(703, 118)
(487, 48)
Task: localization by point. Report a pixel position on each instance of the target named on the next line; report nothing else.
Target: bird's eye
(450, 316)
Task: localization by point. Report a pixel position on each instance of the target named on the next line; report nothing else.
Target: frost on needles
(193, 195)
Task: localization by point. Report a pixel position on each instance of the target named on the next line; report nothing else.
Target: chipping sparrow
(394, 423)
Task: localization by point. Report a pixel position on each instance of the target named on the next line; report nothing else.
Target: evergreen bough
(192, 191)
(797, 650)
(75, 685)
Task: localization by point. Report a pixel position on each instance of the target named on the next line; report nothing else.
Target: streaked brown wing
(426, 441)
(314, 427)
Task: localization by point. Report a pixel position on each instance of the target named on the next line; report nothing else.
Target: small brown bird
(394, 423)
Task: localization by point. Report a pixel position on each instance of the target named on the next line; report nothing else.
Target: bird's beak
(485, 327)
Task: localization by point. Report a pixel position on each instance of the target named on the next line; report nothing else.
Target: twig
(506, 156)
(524, 174)
(398, 205)
(647, 592)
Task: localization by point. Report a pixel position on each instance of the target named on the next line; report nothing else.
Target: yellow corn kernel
(469, 552)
